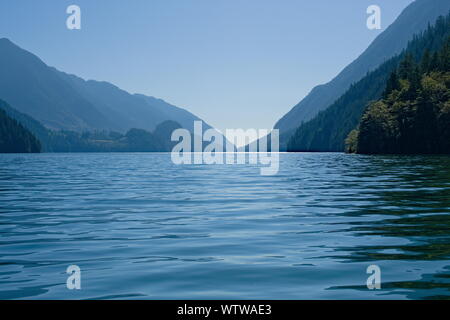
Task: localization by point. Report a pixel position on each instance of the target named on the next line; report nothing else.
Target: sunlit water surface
(140, 227)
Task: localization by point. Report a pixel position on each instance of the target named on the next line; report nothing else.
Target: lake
(140, 227)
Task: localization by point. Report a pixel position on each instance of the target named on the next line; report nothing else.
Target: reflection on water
(419, 207)
(142, 228)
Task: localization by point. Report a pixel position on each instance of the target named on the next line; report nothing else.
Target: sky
(233, 63)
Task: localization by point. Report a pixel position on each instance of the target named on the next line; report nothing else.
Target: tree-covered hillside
(134, 140)
(328, 130)
(392, 41)
(14, 138)
(413, 117)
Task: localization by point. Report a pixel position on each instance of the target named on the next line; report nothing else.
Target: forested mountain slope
(414, 19)
(15, 138)
(413, 117)
(328, 130)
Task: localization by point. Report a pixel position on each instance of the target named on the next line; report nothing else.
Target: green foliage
(14, 138)
(141, 141)
(351, 141)
(330, 128)
(413, 118)
(135, 140)
(392, 84)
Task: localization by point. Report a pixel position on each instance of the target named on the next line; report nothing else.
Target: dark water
(140, 227)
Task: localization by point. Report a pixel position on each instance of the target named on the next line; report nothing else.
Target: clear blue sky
(234, 63)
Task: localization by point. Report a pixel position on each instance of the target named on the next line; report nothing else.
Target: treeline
(330, 128)
(413, 116)
(14, 138)
(135, 140)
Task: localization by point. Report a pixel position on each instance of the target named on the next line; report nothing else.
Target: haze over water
(141, 227)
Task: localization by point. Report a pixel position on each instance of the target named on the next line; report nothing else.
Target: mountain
(140, 111)
(14, 138)
(163, 133)
(66, 102)
(134, 140)
(329, 129)
(414, 19)
(413, 117)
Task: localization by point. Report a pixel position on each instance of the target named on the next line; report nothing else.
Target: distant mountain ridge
(134, 140)
(414, 19)
(66, 102)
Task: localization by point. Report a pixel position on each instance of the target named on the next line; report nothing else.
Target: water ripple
(140, 227)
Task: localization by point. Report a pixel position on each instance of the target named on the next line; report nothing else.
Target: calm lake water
(140, 227)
